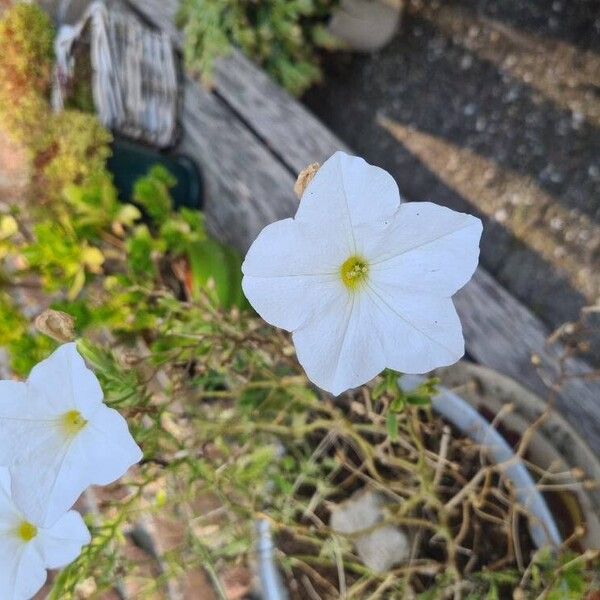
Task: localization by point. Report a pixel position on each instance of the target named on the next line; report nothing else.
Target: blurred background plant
(71, 228)
(283, 36)
(26, 38)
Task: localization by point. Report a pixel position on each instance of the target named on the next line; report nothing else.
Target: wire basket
(131, 71)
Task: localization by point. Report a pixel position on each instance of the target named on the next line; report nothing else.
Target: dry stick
(439, 470)
(545, 474)
(386, 583)
(515, 539)
(488, 517)
(575, 486)
(474, 481)
(530, 431)
(464, 526)
(444, 445)
(340, 568)
(309, 588)
(308, 570)
(468, 488)
(473, 560)
(379, 485)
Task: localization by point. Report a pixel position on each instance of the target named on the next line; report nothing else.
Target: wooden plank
(254, 96)
(500, 332)
(245, 186)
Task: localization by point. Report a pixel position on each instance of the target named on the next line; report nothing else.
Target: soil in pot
(419, 474)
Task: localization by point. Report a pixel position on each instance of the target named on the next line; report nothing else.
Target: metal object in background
(134, 74)
(270, 580)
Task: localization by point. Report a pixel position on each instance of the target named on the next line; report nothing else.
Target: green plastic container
(130, 161)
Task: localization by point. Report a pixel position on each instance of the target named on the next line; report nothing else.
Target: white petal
(5, 481)
(13, 405)
(288, 272)
(426, 248)
(22, 570)
(340, 349)
(418, 333)
(61, 544)
(287, 247)
(40, 461)
(65, 383)
(9, 515)
(348, 193)
(289, 302)
(108, 447)
(49, 474)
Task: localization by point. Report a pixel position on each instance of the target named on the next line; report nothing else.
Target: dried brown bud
(56, 324)
(305, 178)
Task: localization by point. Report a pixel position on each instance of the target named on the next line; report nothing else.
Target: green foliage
(216, 270)
(76, 148)
(397, 400)
(95, 207)
(152, 193)
(66, 148)
(24, 348)
(59, 258)
(26, 36)
(563, 577)
(75, 219)
(281, 35)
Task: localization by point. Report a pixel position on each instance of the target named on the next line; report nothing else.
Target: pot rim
(555, 439)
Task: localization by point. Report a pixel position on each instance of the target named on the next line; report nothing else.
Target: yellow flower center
(26, 531)
(72, 422)
(354, 272)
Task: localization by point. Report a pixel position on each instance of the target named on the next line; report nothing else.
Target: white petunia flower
(363, 281)
(27, 550)
(57, 437)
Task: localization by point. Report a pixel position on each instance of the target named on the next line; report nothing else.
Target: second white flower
(57, 437)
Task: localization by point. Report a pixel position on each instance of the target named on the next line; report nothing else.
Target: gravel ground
(491, 106)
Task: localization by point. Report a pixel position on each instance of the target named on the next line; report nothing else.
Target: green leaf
(391, 424)
(139, 252)
(418, 399)
(216, 269)
(379, 389)
(398, 404)
(152, 193)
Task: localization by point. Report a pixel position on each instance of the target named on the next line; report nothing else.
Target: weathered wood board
(251, 139)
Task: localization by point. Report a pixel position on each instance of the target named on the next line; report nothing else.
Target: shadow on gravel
(576, 22)
(427, 81)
